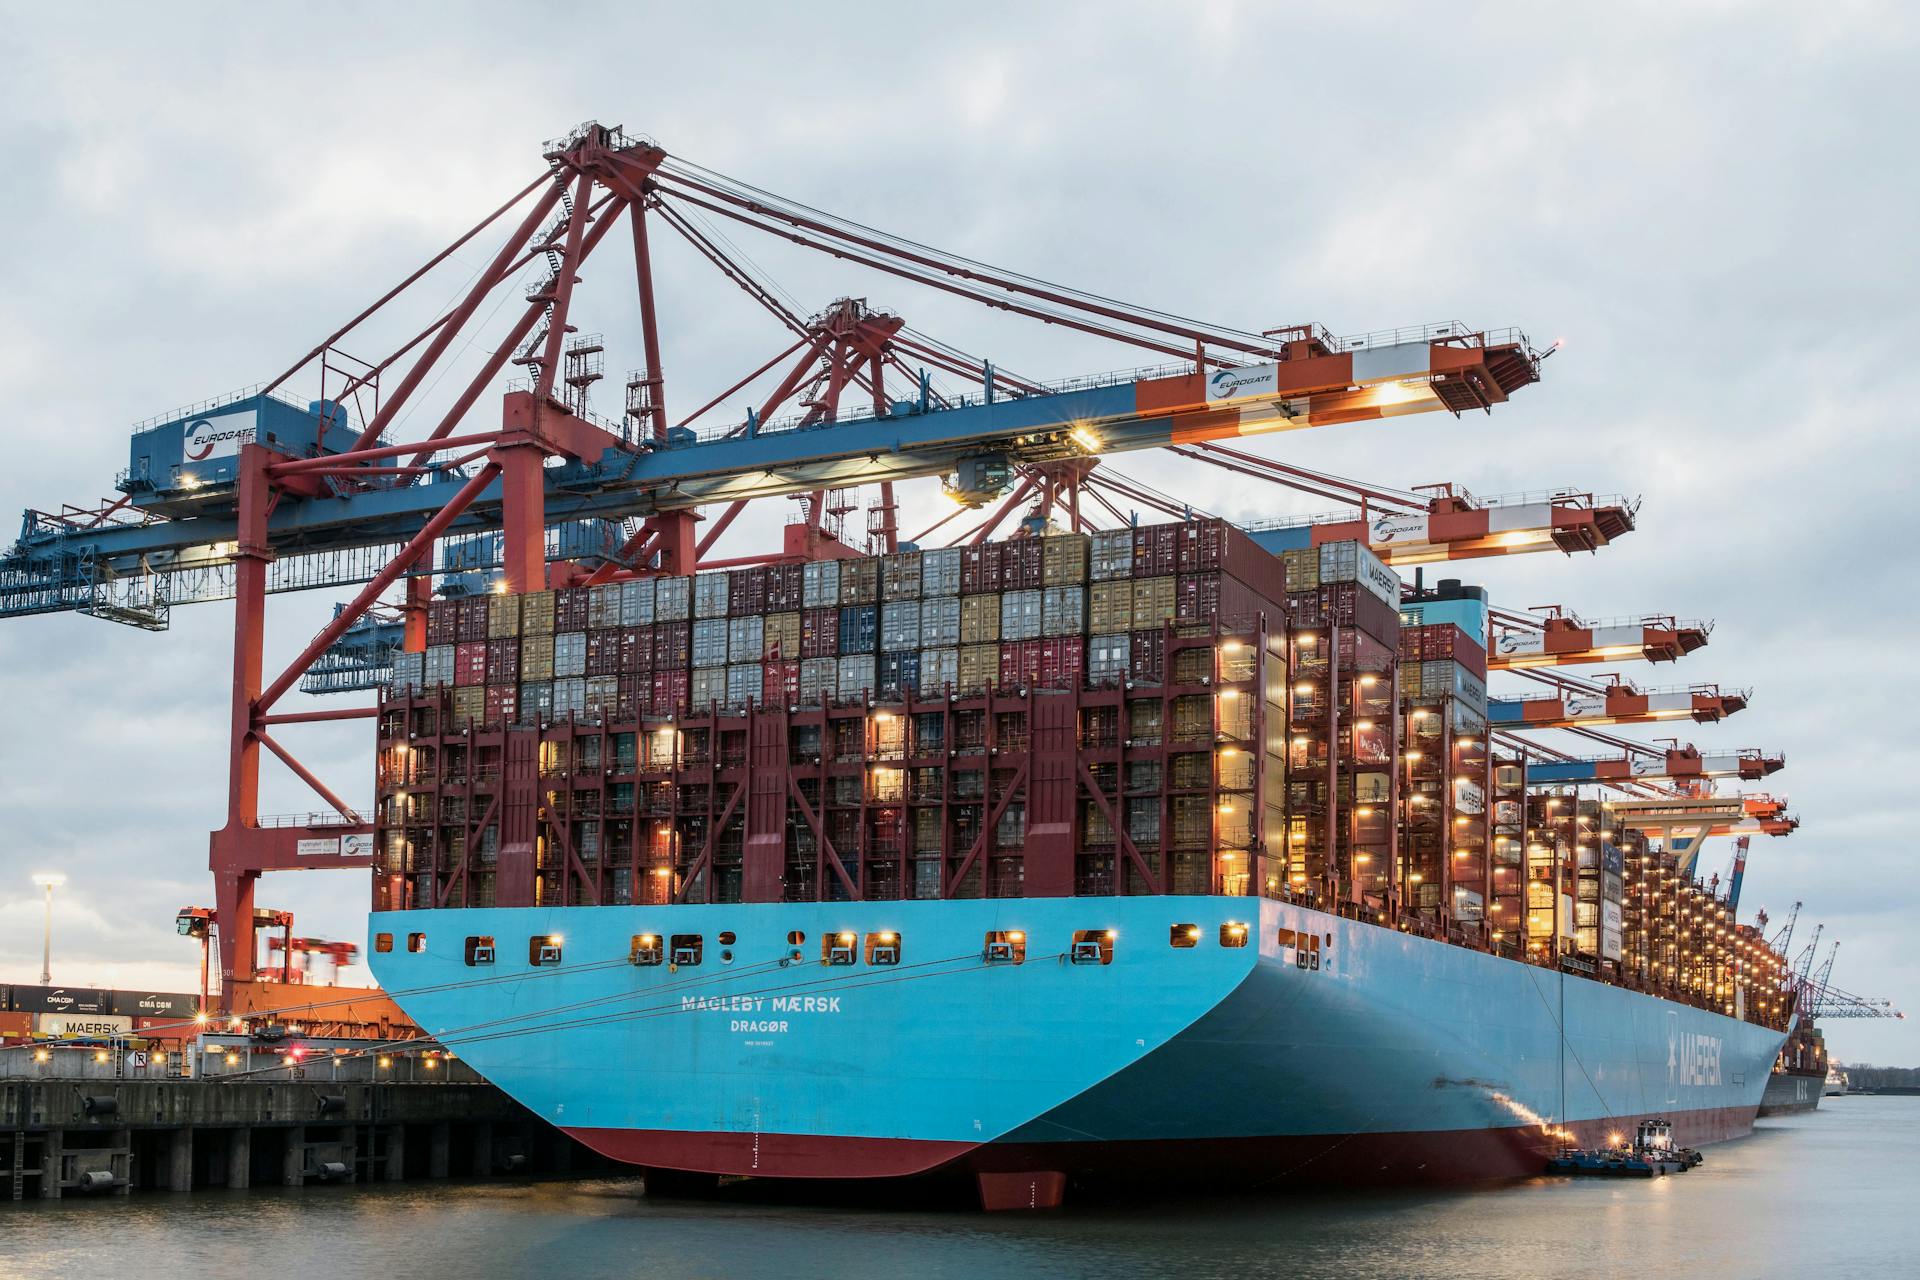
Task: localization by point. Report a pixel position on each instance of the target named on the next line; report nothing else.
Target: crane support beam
(1684, 764)
(1561, 642)
(1566, 522)
(1570, 708)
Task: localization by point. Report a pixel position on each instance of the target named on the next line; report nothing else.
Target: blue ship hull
(1377, 1056)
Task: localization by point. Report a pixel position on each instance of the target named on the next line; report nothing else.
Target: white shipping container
(1109, 657)
(745, 639)
(1020, 615)
(940, 572)
(820, 584)
(569, 654)
(707, 685)
(569, 698)
(710, 594)
(819, 678)
(856, 675)
(1112, 554)
(710, 643)
(940, 622)
(636, 603)
(743, 683)
(672, 599)
(900, 624)
(1063, 611)
(939, 669)
(1353, 562)
(437, 669)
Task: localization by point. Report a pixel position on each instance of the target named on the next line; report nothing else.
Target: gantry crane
(263, 492)
(1548, 636)
(1586, 703)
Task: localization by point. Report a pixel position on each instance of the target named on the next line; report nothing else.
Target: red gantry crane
(263, 492)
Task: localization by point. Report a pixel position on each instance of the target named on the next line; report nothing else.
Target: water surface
(1833, 1194)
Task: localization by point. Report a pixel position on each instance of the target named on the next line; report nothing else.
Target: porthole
(1184, 935)
(383, 942)
(1092, 946)
(796, 937)
(1006, 946)
(727, 939)
(1233, 934)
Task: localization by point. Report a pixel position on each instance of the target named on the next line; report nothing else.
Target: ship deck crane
(263, 492)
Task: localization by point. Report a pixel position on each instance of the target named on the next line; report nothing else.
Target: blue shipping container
(859, 628)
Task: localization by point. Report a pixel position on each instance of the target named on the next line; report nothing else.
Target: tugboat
(1651, 1154)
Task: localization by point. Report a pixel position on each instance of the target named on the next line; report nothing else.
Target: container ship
(1154, 853)
(1168, 850)
(1800, 1073)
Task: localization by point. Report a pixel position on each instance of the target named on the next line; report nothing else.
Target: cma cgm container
(1078, 847)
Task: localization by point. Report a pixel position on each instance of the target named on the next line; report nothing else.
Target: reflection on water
(1827, 1194)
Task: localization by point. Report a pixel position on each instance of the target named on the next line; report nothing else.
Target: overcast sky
(1712, 204)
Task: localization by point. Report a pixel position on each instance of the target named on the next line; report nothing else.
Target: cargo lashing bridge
(263, 492)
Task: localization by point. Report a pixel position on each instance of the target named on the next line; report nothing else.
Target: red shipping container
(672, 646)
(1019, 663)
(636, 651)
(503, 660)
(1199, 545)
(603, 653)
(1196, 597)
(570, 609)
(780, 683)
(503, 701)
(1156, 550)
(746, 592)
(669, 692)
(980, 569)
(630, 697)
(1361, 652)
(470, 663)
(1410, 642)
(471, 619)
(443, 621)
(1147, 655)
(1468, 653)
(1022, 564)
(820, 633)
(1345, 604)
(1307, 608)
(1063, 660)
(785, 587)
(159, 1028)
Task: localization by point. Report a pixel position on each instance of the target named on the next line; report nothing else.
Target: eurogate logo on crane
(219, 437)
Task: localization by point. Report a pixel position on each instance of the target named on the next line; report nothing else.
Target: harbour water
(1829, 1193)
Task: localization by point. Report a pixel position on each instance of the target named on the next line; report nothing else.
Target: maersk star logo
(1673, 1057)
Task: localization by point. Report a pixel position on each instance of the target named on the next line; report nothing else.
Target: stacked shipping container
(1342, 788)
(901, 696)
